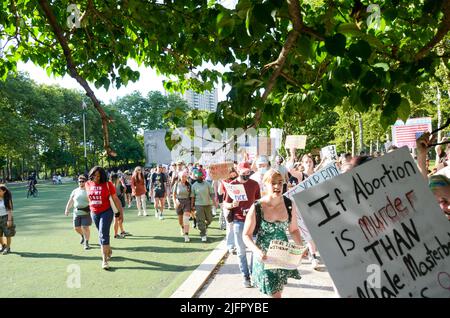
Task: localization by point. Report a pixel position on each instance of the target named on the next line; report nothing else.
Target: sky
(149, 81)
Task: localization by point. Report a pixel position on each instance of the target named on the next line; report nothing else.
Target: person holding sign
(238, 212)
(274, 220)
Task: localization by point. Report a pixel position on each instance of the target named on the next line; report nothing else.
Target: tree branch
(444, 28)
(74, 73)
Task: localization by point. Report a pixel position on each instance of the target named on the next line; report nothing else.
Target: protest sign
(295, 141)
(328, 172)
(329, 152)
(380, 230)
(218, 171)
(265, 146)
(236, 191)
(277, 136)
(285, 255)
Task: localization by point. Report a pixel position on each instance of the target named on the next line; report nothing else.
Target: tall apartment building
(205, 101)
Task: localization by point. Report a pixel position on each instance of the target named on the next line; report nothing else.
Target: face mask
(245, 177)
(233, 178)
(263, 170)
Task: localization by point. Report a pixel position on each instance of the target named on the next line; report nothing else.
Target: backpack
(287, 203)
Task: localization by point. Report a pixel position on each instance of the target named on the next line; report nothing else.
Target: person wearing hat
(440, 186)
(262, 165)
(238, 211)
(202, 198)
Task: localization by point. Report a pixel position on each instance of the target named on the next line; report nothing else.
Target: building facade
(205, 101)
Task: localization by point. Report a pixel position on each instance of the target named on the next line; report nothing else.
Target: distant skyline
(148, 81)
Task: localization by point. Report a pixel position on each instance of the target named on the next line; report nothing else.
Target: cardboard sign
(295, 141)
(236, 191)
(326, 173)
(285, 255)
(380, 230)
(329, 152)
(219, 171)
(265, 146)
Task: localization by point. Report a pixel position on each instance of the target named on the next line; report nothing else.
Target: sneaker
(139, 214)
(82, 239)
(315, 263)
(86, 246)
(156, 213)
(117, 236)
(125, 234)
(6, 250)
(145, 214)
(2, 247)
(247, 283)
(161, 216)
(105, 265)
(186, 239)
(204, 239)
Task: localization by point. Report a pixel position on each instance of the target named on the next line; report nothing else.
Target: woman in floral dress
(275, 220)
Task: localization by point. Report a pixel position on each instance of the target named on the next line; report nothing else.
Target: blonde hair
(272, 174)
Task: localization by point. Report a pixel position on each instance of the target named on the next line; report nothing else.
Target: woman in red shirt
(98, 190)
(138, 190)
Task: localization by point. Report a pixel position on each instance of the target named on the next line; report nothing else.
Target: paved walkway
(219, 277)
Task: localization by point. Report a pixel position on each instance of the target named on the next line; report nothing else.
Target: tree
(316, 52)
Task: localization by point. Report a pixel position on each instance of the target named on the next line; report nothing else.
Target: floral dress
(271, 281)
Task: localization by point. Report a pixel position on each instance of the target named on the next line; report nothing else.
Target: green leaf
(360, 49)
(335, 45)
(415, 94)
(355, 70)
(369, 80)
(404, 110)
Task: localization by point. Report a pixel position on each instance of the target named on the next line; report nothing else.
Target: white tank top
(2, 208)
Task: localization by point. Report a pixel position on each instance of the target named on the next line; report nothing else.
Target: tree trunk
(438, 102)
(361, 133)
(353, 142)
(371, 147)
(378, 143)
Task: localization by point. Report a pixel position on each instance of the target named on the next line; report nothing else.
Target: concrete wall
(155, 147)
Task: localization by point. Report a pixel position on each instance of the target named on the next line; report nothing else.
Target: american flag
(406, 134)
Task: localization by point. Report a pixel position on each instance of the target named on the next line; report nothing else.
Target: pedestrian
(120, 192)
(138, 191)
(99, 190)
(7, 227)
(202, 198)
(238, 212)
(228, 225)
(82, 220)
(158, 185)
(274, 220)
(182, 200)
(128, 191)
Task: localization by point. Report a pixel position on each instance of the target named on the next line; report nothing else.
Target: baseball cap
(243, 167)
(262, 160)
(198, 173)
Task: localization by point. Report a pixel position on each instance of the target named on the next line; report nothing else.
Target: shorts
(185, 206)
(159, 194)
(82, 220)
(4, 229)
(128, 189)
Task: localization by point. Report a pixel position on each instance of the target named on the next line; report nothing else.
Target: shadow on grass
(150, 265)
(158, 249)
(177, 239)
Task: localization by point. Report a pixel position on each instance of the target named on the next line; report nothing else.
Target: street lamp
(84, 106)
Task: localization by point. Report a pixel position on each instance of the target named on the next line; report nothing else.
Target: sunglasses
(81, 181)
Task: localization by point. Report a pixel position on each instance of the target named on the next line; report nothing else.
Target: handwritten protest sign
(265, 146)
(281, 254)
(329, 152)
(380, 230)
(218, 171)
(236, 191)
(327, 172)
(295, 141)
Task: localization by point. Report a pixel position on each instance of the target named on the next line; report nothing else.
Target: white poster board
(380, 230)
(329, 152)
(285, 255)
(236, 191)
(326, 173)
(295, 141)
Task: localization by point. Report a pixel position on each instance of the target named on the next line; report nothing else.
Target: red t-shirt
(98, 195)
(253, 193)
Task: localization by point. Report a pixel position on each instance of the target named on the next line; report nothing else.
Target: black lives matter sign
(380, 230)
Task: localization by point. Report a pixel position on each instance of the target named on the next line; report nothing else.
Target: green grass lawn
(46, 251)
